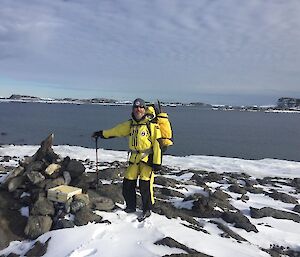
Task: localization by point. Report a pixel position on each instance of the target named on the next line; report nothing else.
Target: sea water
(198, 131)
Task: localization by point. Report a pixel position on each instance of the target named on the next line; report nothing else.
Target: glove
(156, 167)
(97, 134)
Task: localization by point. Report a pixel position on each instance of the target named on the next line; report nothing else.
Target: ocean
(197, 131)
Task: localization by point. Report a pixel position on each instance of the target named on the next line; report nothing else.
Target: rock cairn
(29, 183)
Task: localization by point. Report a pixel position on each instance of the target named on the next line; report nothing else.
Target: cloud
(188, 46)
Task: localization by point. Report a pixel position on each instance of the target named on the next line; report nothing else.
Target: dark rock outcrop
(270, 212)
(282, 197)
(168, 241)
(239, 221)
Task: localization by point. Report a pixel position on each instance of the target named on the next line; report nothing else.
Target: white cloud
(213, 46)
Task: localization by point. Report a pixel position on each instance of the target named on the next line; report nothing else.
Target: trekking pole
(97, 171)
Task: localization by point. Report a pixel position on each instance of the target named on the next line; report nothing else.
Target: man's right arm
(121, 130)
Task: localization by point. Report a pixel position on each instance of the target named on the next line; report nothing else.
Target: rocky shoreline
(26, 187)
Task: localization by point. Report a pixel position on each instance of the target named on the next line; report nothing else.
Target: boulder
(52, 169)
(15, 183)
(37, 225)
(235, 188)
(113, 191)
(35, 166)
(86, 215)
(38, 249)
(168, 241)
(164, 181)
(35, 177)
(111, 173)
(75, 168)
(227, 231)
(283, 197)
(12, 223)
(79, 201)
(270, 212)
(102, 203)
(239, 221)
(63, 223)
(43, 207)
(297, 208)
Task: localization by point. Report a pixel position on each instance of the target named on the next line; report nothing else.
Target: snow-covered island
(287, 105)
(205, 206)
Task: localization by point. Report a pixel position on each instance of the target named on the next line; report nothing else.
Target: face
(138, 112)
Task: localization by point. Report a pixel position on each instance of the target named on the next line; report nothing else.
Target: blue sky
(214, 51)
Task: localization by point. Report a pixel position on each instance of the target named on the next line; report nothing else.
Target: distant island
(284, 104)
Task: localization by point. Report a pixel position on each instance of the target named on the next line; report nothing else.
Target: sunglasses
(139, 106)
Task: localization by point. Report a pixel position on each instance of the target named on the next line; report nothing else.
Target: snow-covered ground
(125, 236)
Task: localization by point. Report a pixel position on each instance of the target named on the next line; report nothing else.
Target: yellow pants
(145, 174)
(141, 170)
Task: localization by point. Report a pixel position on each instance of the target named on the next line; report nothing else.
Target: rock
(67, 177)
(296, 182)
(54, 183)
(84, 181)
(103, 204)
(237, 189)
(198, 179)
(12, 223)
(44, 148)
(15, 173)
(239, 221)
(187, 255)
(75, 206)
(38, 249)
(52, 168)
(35, 166)
(255, 190)
(283, 197)
(43, 207)
(212, 177)
(168, 241)
(82, 198)
(35, 177)
(37, 225)
(270, 212)
(15, 182)
(205, 208)
(243, 198)
(113, 191)
(111, 173)
(3, 169)
(86, 215)
(164, 181)
(76, 168)
(79, 201)
(63, 223)
(228, 232)
(221, 195)
(297, 208)
(171, 193)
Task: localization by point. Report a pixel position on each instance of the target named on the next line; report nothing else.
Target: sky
(106, 240)
(212, 51)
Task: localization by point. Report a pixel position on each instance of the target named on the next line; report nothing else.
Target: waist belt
(143, 153)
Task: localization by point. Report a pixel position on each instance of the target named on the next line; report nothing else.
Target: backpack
(162, 120)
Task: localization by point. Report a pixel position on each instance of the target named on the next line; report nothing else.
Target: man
(145, 156)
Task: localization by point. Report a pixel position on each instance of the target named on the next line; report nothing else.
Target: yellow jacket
(143, 144)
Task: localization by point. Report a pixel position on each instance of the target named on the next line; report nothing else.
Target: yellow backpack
(162, 119)
(165, 129)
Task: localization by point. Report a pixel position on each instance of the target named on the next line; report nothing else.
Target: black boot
(129, 194)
